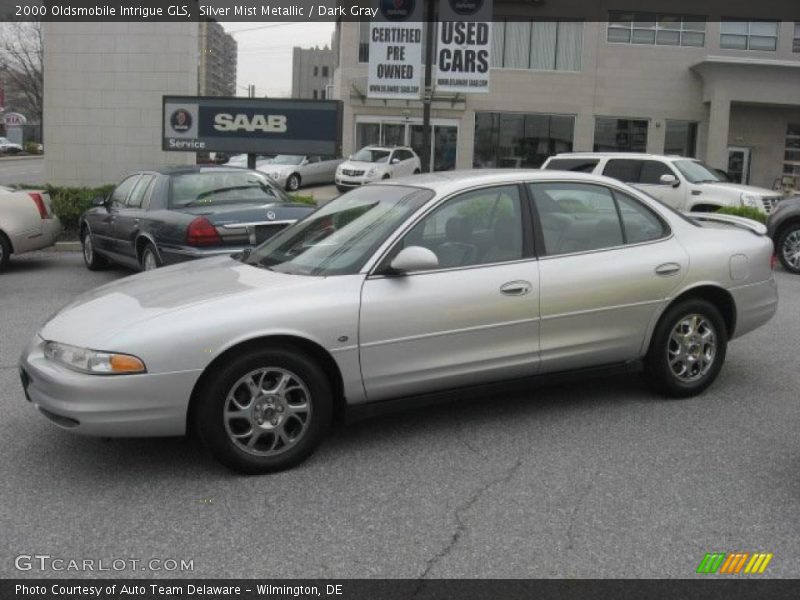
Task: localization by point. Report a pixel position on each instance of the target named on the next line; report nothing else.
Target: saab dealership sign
(395, 50)
(251, 125)
(464, 46)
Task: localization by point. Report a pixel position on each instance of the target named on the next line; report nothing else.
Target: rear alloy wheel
(789, 248)
(5, 252)
(293, 183)
(265, 411)
(687, 350)
(90, 258)
(149, 260)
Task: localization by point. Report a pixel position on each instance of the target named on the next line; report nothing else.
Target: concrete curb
(65, 247)
(16, 158)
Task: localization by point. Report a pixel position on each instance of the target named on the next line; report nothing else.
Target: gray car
(294, 170)
(398, 290)
(784, 229)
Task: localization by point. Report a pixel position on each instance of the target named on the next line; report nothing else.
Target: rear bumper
(755, 305)
(147, 405)
(27, 242)
(171, 255)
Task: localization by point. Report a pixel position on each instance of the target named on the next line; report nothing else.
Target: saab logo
(466, 7)
(265, 123)
(397, 10)
(734, 563)
(181, 120)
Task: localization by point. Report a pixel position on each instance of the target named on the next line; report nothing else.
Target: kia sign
(251, 125)
(13, 119)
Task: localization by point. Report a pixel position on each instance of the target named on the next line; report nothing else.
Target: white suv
(373, 163)
(685, 184)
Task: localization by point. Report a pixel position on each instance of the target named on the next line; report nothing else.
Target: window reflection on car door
(105, 221)
(473, 319)
(130, 215)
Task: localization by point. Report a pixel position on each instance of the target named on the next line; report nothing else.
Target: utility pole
(251, 157)
(427, 92)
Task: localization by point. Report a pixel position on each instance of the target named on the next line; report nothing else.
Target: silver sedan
(399, 290)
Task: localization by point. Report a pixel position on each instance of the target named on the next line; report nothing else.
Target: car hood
(360, 164)
(731, 188)
(130, 303)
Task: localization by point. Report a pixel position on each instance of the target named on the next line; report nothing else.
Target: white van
(685, 184)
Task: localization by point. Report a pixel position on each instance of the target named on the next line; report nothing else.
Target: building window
(322, 94)
(796, 40)
(520, 140)
(681, 138)
(791, 158)
(316, 71)
(656, 29)
(539, 45)
(314, 94)
(620, 135)
(363, 41)
(325, 71)
(749, 35)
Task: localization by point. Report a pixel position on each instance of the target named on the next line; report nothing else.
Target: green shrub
(748, 212)
(69, 203)
(302, 199)
(32, 148)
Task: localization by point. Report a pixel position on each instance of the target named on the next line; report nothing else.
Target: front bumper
(353, 182)
(146, 405)
(755, 305)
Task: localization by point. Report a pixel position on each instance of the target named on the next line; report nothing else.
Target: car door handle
(516, 288)
(668, 269)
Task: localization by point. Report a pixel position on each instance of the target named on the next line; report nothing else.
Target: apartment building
(312, 72)
(217, 60)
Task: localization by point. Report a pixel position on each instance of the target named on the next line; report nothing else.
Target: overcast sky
(265, 53)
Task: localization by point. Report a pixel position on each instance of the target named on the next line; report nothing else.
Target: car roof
(636, 155)
(445, 182)
(387, 148)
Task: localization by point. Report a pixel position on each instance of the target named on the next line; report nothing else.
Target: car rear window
(577, 165)
(222, 187)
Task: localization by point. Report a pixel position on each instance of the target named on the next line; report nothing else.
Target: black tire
(293, 182)
(343, 189)
(417, 171)
(661, 371)
(91, 259)
(213, 428)
(144, 256)
(790, 235)
(386, 176)
(5, 251)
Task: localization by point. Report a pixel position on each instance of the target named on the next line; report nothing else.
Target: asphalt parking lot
(589, 479)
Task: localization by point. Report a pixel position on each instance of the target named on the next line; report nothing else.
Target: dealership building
(696, 85)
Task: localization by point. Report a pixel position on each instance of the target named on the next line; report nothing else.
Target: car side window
(576, 217)
(623, 169)
(652, 170)
(120, 194)
(640, 223)
(475, 228)
(136, 196)
(313, 159)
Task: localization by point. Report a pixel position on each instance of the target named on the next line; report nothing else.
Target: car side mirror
(395, 161)
(305, 162)
(98, 201)
(668, 179)
(414, 258)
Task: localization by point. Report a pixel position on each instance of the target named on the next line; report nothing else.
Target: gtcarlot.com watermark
(46, 562)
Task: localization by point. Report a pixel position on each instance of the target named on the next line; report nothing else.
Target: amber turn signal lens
(122, 363)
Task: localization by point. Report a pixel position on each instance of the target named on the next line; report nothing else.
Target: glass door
(739, 164)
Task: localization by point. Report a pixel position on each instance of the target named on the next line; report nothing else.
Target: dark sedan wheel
(293, 183)
(149, 259)
(5, 252)
(265, 411)
(90, 257)
(789, 248)
(687, 349)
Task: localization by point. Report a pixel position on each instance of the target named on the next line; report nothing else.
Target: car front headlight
(93, 361)
(372, 171)
(750, 200)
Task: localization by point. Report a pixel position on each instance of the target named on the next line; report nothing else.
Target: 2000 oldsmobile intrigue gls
(401, 289)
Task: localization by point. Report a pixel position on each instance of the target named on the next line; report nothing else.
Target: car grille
(352, 173)
(264, 232)
(770, 202)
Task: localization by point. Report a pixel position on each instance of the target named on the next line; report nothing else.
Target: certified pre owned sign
(256, 125)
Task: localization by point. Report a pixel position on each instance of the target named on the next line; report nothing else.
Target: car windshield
(696, 172)
(223, 187)
(372, 155)
(287, 159)
(339, 238)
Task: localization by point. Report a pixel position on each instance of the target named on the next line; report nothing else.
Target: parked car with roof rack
(173, 214)
(27, 222)
(685, 184)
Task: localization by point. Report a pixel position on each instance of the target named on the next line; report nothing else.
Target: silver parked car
(293, 170)
(400, 289)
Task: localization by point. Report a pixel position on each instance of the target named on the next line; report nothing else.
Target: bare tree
(21, 65)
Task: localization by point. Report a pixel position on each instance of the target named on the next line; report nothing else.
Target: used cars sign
(259, 125)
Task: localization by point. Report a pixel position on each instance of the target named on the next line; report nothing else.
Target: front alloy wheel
(293, 183)
(90, 257)
(687, 349)
(789, 249)
(264, 410)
